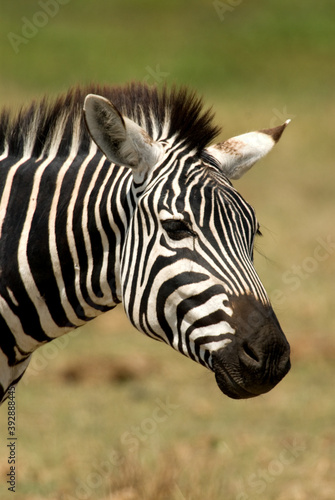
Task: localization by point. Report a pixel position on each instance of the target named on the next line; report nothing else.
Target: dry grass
(75, 415)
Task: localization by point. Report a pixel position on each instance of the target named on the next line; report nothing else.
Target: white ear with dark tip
(238, 154)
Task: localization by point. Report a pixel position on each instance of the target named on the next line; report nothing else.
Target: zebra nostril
(250, 352)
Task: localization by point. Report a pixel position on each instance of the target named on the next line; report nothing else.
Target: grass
(283, 50)
(141, 421)
(91, 417)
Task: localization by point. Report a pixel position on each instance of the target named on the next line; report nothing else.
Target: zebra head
(186, 275)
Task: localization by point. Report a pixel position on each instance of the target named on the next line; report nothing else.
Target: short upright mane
(174, 113)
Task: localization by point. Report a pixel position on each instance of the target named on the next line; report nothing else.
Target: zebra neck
(60, 247)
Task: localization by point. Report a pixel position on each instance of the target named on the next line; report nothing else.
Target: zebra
(115, 195)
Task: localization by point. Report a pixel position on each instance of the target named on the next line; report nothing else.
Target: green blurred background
(86, 411)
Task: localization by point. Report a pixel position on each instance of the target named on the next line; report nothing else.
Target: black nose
(248, 367)
(255, 360)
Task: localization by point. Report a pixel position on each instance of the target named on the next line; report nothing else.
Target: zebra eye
(177, 229)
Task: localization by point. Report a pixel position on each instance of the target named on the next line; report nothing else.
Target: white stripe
(47, 322)
(4, 154)
(126, 183)
(24, 342)
(89, 311)
(56, 266)
(213, 304)
(86, 234)
(27, 152)
(12, 296)
(107, 298)
(212, 347)
(10, 373)
(7, 190)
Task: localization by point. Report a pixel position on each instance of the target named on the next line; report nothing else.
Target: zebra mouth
(231, 381)
(245, 372)
(230, 387)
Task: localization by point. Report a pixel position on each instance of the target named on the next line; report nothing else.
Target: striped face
(187, 274)
(188, 252)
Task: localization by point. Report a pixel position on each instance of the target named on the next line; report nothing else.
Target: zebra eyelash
(177, 229)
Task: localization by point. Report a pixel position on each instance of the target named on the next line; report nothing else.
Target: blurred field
(106, 413)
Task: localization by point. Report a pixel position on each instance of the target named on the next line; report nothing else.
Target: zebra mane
(176, 113)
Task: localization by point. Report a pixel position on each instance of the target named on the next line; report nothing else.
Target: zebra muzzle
(254, 361)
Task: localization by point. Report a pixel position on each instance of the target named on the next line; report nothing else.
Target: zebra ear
(236, 155)
(120, 139)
